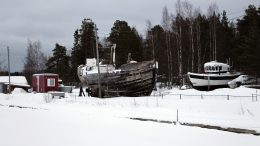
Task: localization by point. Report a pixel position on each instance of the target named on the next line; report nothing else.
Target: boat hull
(207, 82)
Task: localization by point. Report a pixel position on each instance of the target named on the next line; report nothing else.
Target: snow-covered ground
(91, 121)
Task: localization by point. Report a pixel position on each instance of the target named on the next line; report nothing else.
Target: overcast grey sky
(54, 21)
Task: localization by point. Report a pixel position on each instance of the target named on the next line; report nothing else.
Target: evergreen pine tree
(127, 40)
(248, 45)
(59, 62)
(84, 45)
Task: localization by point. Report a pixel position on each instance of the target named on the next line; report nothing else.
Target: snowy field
(81, 121)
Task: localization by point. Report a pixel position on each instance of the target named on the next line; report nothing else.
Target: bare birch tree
(179, 13)
(150, 36)
(35, 60)
(148, 27)
(198, 44)
(189, 14)
(2, 68)
(166, 25)
(212, 11)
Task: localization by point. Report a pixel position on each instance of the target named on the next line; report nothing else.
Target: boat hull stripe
(214, 77)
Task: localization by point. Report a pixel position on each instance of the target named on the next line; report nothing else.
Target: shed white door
(1, 88)
(38, 83)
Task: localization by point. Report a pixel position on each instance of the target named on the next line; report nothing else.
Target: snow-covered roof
(215, 63)
(45, 74)
(215, 66)
(13, 79)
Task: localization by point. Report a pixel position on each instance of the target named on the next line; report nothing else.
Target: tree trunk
(198, 47)
(210, 41)
(168, 57)
(192, 47)
(180, 55)
(215, 38)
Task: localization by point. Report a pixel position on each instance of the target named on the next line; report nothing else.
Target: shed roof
(14, 79)
(215, 63)
(45, 74)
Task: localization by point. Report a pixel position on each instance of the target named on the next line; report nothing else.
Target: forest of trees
(182, 43)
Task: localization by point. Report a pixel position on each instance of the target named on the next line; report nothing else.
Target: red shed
(45, 82)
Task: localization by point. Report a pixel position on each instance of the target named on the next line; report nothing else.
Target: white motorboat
(216, 75)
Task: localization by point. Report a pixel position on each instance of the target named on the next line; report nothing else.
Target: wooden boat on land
(131, 79)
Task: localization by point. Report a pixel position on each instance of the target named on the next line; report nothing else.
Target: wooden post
(177, 116)
(201, 96)
(157, 102)
(208, 83)
(180, 96)
(227, 97)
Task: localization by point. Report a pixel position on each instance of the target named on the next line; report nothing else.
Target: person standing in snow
(88, 91)
(81, 91)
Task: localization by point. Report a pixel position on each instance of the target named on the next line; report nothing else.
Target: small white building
(15, 82)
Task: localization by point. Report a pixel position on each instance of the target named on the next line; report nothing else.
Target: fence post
(202, 96)
(252, 97)
(256, 95)
(177, 116)
(180, 96)
(162, 96)
(227, 97)
(157, 102)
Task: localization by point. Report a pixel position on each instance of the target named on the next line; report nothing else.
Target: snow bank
(18, 90)
(85, 120)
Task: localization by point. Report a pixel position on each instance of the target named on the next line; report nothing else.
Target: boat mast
(99, 86)
(154, 61)
(114, 54)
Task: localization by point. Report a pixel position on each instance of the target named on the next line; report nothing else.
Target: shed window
(51, 82)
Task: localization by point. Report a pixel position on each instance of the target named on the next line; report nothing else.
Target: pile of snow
(18, 90)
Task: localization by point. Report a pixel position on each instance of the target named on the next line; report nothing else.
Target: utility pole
(8, 70)
(154, 60)
(99, 85)
(151, 35)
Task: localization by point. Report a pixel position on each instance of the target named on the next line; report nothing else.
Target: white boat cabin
(216, 67)
(91, 67)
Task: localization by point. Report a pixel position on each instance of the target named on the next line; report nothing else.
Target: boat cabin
(91, 67)
(216, 67)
